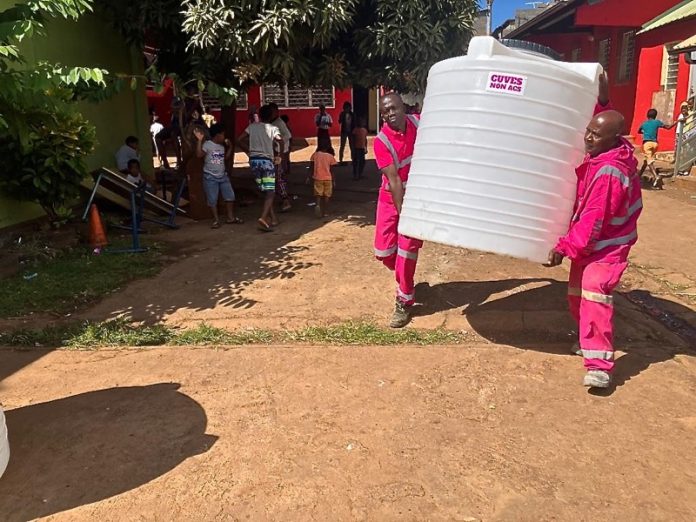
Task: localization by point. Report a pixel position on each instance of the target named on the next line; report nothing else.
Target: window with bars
(672, 72)
(628, 53)
(575, 55)
(213, 104)
(298, 97)
(604, 53)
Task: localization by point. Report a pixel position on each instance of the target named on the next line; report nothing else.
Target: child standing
(215, 152)
(322, 161)
(649, 129)
(359, 148)
(262, 142)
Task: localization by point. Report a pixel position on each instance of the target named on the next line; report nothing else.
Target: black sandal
(235, 221)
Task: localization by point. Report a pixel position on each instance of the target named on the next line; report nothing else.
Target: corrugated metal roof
(681, 11)
(541, 17)
(687, 44)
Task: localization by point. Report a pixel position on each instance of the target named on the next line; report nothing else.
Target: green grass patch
(204, 335)
(122, 333)
(75, 278)
(364, 333)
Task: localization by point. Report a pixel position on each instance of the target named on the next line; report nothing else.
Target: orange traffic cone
(97, 236)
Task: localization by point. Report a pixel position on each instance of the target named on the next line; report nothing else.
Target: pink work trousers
(398, 253)
(591, 302)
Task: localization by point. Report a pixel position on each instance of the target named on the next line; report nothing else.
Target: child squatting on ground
(650, 129)
(321, 162)
(602, 231)
(215, 152)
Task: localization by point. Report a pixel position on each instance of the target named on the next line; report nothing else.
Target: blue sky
(504, 9)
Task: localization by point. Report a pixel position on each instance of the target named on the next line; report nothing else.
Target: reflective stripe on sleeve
(406, 254)
(598, 354)
(622, 220)
(575, 291)
(617, 241)
(383, 138)
(597, 298)
(414, 120)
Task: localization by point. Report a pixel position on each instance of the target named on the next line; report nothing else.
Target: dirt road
(498, 429)
(478, 432)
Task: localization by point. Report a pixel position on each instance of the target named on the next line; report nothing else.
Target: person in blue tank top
(650, 129)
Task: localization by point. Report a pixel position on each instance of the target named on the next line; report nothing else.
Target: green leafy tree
(43, 139)
(231, 43)
(332, 42)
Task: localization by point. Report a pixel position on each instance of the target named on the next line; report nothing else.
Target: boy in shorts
(215, 152)
(649, 129)
(263, 143)
(322, 161)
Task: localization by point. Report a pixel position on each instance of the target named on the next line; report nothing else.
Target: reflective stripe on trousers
(591, 303)
(398, 253)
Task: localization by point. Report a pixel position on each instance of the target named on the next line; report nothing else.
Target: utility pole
(489, 19)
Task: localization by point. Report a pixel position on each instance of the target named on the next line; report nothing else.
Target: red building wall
(301, 120)
(631, 13)
(622, 94)
(650, 48)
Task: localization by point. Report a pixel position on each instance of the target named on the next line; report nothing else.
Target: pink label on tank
(506, 83)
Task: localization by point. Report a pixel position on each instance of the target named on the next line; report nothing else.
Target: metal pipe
(489, 18)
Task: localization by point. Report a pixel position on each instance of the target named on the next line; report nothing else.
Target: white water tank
(4, 444)
(499, 139)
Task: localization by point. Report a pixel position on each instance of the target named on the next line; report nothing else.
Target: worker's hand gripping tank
(499, 139)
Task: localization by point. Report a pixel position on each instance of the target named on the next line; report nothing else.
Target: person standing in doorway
(324, 122)
(393, 150)
(347, 122)
(359, 148)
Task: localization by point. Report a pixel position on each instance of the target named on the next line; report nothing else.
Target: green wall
(91, 42)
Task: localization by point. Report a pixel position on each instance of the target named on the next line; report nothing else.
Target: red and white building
(299, 103)
(642, 45)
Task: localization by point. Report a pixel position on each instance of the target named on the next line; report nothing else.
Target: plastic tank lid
(531, 48)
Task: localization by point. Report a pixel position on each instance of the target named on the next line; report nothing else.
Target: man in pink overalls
(393, 151)
(602, 231)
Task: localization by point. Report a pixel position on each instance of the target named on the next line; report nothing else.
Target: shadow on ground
(649, 330)
(89, 447)
(225, 262)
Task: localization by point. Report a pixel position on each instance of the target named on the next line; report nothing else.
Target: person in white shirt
(135, 175)
(281, 172)
(155, 128)
(262, 142)
(127, 152)
(323, 121)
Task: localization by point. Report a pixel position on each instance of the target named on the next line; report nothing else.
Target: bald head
(604, 132)
(393, 112)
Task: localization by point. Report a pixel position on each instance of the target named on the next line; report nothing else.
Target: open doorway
(361, 102)
(365, 106)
